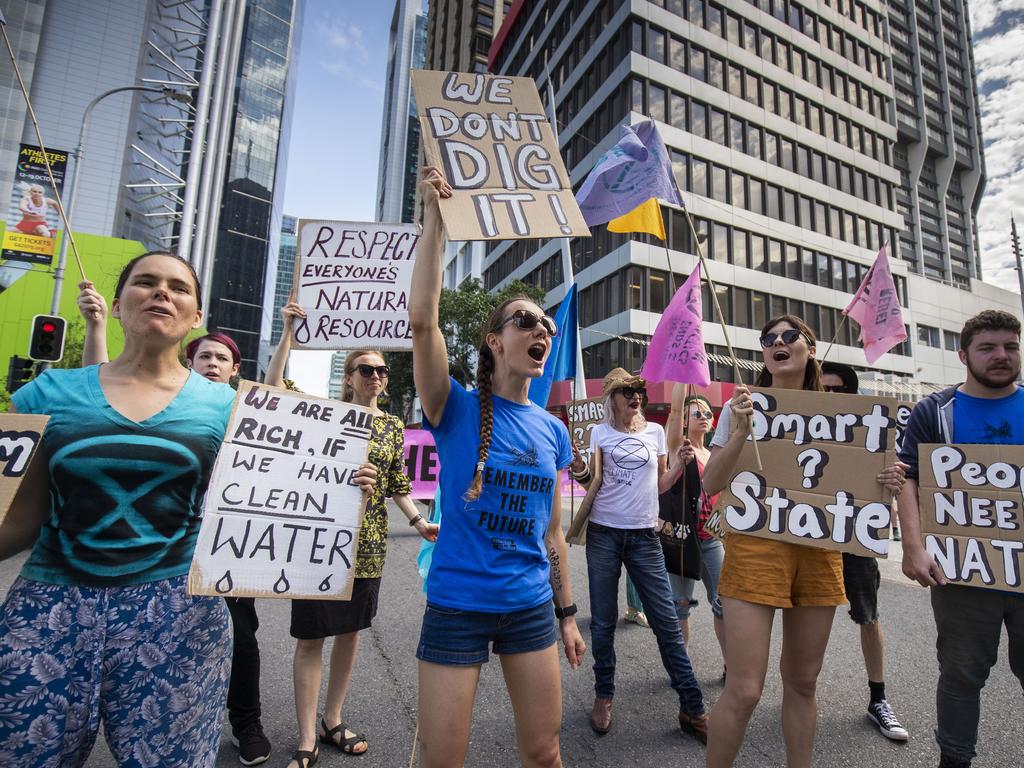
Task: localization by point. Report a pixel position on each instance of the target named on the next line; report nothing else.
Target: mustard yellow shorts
(780, 574)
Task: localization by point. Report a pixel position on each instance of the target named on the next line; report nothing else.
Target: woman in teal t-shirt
(500, 557)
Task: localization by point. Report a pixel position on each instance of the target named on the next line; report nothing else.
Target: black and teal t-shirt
(125, 496)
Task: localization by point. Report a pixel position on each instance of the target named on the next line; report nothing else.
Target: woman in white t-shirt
(630, 470)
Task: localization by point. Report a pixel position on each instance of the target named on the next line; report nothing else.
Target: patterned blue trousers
(149, 661)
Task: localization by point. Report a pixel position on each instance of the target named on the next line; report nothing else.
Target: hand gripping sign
(821, 454)
(972, 512)
(353, 280)
(490, 137)
(282, 514)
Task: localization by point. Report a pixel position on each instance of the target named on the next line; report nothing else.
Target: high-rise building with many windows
(400, 125)
(781, 120)
(285, 274)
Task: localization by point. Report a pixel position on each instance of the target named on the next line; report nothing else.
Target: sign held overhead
(491, 138)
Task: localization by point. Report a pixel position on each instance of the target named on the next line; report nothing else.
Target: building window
(952, 339)
(928, 336)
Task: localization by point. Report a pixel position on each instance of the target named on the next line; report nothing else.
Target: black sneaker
(881, 714)
(951, 762)
(253, 745)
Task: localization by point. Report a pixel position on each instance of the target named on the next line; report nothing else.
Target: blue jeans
(712, 553)
(608, 549)
(969, 622)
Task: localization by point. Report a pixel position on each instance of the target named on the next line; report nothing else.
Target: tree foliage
(462, 314)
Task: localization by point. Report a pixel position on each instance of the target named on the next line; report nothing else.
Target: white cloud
(998, 29)
(347, 55)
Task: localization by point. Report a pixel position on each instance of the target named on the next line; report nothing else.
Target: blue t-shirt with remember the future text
(986, 420)
(125, 496)
(490, 554)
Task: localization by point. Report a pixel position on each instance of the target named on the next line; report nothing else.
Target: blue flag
(561, 364)
(630, 173)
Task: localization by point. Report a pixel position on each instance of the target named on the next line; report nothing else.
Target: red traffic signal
(47, 340)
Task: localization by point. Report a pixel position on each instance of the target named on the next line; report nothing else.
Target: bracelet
(564, 613)
(412, 523)
(580, 476)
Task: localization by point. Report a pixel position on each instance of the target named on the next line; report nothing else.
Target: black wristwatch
(565, 613)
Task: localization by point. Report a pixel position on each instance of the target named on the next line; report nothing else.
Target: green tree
(461, 313)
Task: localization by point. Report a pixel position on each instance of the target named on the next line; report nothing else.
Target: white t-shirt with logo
(628, 497)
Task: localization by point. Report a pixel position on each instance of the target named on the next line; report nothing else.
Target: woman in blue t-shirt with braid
(500, 558)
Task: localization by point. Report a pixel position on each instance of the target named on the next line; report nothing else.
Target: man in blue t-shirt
(987, 408)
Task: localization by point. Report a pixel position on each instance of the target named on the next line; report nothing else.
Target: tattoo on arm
(556, 570)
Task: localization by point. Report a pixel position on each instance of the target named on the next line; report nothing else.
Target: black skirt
(317, 619)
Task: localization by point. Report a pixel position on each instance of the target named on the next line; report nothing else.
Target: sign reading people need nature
(821, 454)
(972, 512)
(282, 514)
(353, 281)
(20, 436)
(496, 148)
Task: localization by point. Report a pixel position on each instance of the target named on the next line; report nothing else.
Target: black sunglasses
(834, 388)
(526, 320)
(368, 370)
(698, 413)
(630, 392)
(788, 337)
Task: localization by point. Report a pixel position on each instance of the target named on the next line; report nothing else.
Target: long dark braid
(484, 370)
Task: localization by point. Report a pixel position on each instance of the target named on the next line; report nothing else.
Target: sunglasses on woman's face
(788, 337)
(526, 320)
(366, 371)
(834, 388)
(630, 392)
(699, 414)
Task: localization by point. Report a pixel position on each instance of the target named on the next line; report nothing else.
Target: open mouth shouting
(781, 355)
(537, 351)
(159, 311)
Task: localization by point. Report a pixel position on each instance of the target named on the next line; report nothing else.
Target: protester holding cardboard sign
(501, 556)
(987, 408)
(622, 531)
(760, 575)
(130, 446)
(861, 580)
(313, 621)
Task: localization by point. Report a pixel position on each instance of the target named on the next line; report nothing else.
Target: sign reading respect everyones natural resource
(20, 436)
(282, 514)
(821, 454)
(490, 136)
(971, 499)
(353, 281)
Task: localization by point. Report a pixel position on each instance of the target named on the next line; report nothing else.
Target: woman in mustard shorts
(762, 575)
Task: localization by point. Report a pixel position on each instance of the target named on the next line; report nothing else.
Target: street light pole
(72, 193)
(1015, 242)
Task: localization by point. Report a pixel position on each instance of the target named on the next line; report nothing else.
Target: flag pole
(834, 337)
(721, 317)
(42, 148)
(686, 436)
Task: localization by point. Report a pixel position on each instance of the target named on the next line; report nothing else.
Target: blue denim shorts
(451, 636)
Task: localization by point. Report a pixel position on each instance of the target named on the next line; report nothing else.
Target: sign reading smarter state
(821, 454)
(491, 138)
(972, 512)
(282, 514)
(20, 437)
(353, 281)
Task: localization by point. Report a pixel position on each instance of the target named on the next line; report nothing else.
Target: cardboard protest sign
(821, 454)
(583, 415)
(421, 463)
(282, 514)
(490, 136)
(20, 436)
(971, 499)
(353, 281)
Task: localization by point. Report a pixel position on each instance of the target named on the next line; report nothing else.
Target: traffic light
(47, 341)
(19, 371)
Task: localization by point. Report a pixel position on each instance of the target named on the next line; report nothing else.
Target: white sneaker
(881, 714)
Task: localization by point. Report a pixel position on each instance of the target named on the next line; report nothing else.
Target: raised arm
(93, 307)
(275, 370)
(720, 466)
(430, 353)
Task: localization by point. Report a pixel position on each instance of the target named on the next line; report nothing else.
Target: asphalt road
(382, 699)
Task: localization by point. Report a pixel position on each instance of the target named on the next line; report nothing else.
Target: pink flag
(677, 349)
(876, 306)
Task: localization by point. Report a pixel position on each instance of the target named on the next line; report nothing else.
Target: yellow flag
(646, 217)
